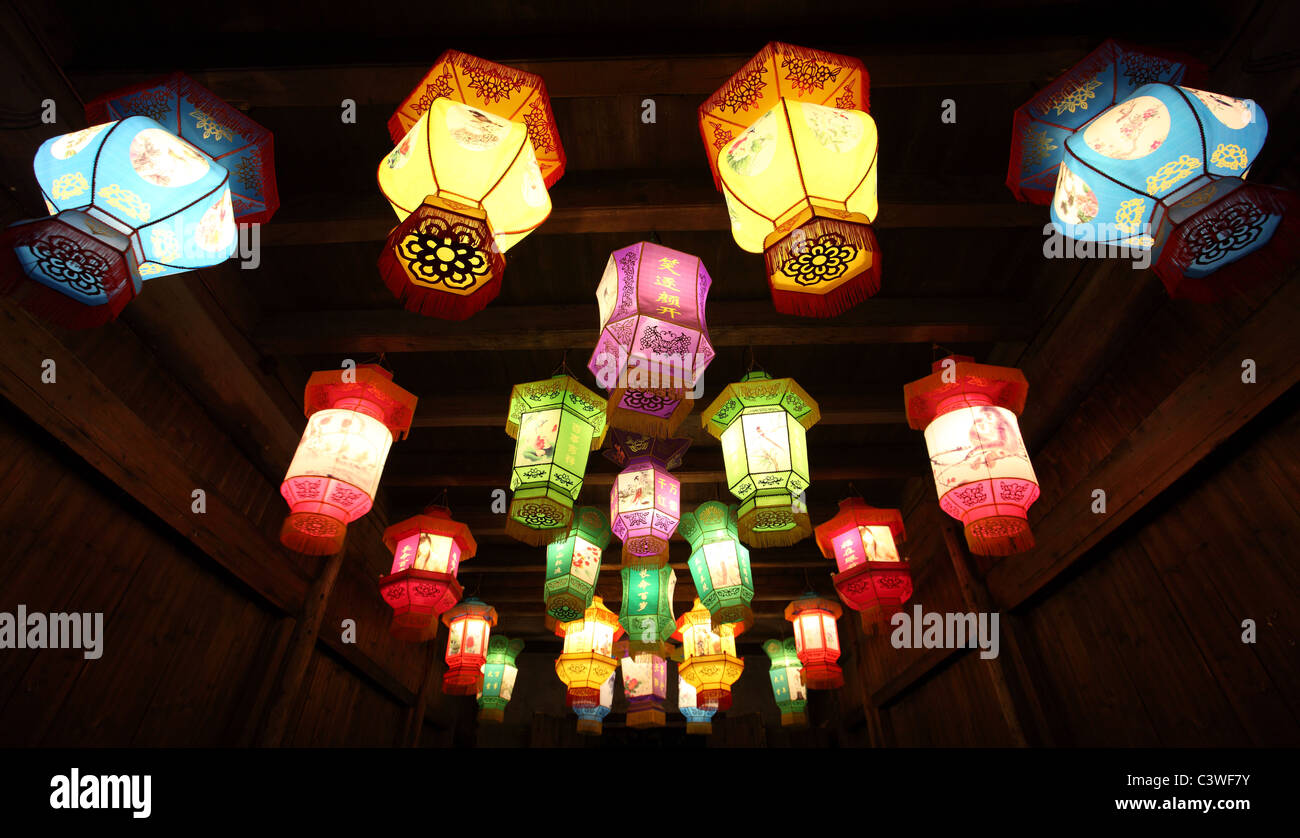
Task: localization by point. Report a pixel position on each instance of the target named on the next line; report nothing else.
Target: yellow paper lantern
(588, 661)
(709, 660)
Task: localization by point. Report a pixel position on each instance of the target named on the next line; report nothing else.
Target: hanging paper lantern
(719, 563)
(427, 551)
(645, 499)
(469, 630)
(981, 468)
(647, 609)
(573, 565)
(591, 712)
(698, 714)
(709, 659)
(873, 579)
(588, 657)
(787, 682)
(654, 343)
(761, 422)
(816, 640)
(352, 416)
(1109, 74)
(499, 674)
(645, 683)
(465, 182)
(195, 114)
(793, 150)
(556, 423)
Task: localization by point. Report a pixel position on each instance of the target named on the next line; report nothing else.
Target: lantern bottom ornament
(795, 718)
(492, 715)
(538, 517)
(442, 260)
(877, 590)
(417, 598)
(653, 412)
(773, 520)
(823, 267)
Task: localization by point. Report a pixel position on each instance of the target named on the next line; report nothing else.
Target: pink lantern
(873, 579)
(653, 342)
(645, 502)
(469, 628)
(427, 551)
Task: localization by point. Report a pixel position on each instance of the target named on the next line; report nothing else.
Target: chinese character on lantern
(873, 579)
(654, 344)
(469, 631)
(709, 659)
(817, 641)
(761, 422)
(555, 424)
(698, 714)
(647, 610)
(427, 551)
(352, 417)
(499, 674)
(476, 149)
(645, 499)
(981, 468)
(719, 563)
(573, 565)
(787, 682)
(645, 684)
(793, 150)
(588, 657)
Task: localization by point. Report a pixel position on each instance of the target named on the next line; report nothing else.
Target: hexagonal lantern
(787, 681)
(761, 422)
(573, 565)
(592, 710)
(427, 551)
(698, 714)
(709, 659)
(873, 579)
(719, 563)
(645, 499)
(647, 610)
(645, 684)
(469, 631)
(588, 657)
(499, 673)
(816, 640)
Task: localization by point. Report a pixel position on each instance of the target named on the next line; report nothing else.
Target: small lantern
(201, 118)
(591, 711)
(654, 343)
(787, 682)
(469, 630)
(709, 659)
(427, 551)
(573, 565)
(761, 422)
(555, 423)
(816, 640)
(981, 468)
(352, 416)
(1109, 74)
(645, 499)
(499, 674)
(719, 563)
(588, 657)
(645, 683)
(647, 609)
(873, 579)
(794, 152)
(698, 714)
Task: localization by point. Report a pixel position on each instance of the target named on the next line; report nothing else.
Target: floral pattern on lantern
(588, 657)
(427, 551)
(499, 673)
(654, 343)
(645, 499)
(709, 660)
(592, 710)
(645, 684)
(787, 682)
(793, 150)
(352, 417)
(761, 422)
(647, 610)
(1109, 74)
(719, 563)
(469, 631)
(981, 469)
(556, 423)
(698, 714)
(573, 565)
(817, 641)
(873, 579)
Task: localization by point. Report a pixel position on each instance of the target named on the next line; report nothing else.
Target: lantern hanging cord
(563, 366)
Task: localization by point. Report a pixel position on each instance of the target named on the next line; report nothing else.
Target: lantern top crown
(711, 518)
(782, 652)
(435, 520)
(369, 383)
(562, 391)
(626, 446)
(700, 616)
(470, 607)
(759, 390)
(595, 613)
(812, 602)
(957, 375)
(502, 649)
(855, 512)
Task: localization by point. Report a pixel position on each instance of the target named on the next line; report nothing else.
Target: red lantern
(981, 468)
(817, 640)
(427, 550)
(352, 416)
(862, 539)
(469, 627)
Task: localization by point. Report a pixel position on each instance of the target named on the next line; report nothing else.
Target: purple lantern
(645, 502)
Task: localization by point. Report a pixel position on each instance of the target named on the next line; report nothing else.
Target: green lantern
(498, 678)
(787, 682)
(719, 563)
(761, 423)
(647, 610)
(573, 565)
(556, 423)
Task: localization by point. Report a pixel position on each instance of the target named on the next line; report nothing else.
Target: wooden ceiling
(962, 260)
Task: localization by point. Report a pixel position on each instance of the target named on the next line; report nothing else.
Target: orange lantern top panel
(855, 513)
(367, 383)
(780, 71)
(500, 90)
(435, 520)
(1003, 386)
